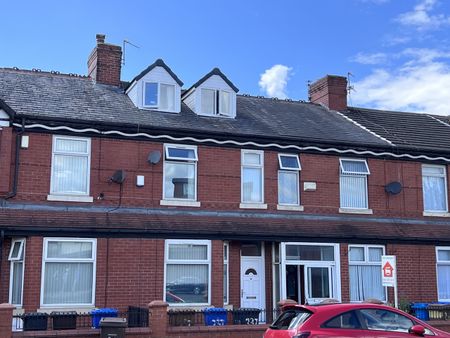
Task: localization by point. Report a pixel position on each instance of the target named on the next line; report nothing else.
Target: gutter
(13, 192)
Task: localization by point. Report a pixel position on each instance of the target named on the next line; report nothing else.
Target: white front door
(252, 282)
(318, 283)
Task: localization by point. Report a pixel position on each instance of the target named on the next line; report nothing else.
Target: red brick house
(119, 193)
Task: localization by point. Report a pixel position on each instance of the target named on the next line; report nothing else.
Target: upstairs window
(70, 166)
(288, 179)
(215, 102)
(180, 172)
(434, 184)
(252, 176)
(353, 183)
(159, 96)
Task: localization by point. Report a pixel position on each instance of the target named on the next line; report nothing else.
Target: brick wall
(7, 143)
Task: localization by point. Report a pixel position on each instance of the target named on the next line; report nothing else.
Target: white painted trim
(355, 211)
(290, 207)
(3, 116)
(227, 262)
(297, 174)
(354, 174)
(345, 172)
(436, 214)
(253, 205)
(157, 106)
(232, 142)
(288, 168)
(180, 203)
(79, 309)
(208, 262)
(437, 275)
(11, 270)
(262, 258)
(93, 259)
(70, 198)
(444, 175)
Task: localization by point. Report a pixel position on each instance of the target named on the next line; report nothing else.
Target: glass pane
(68, 283)
(179, 180)
(443, 255)
(151, 94)
(167, 97)
(225, 283)
(353, 191)
(288, 187)
(225, 104)
(188, 154)
(384, 320)
(289, 162)
(347, 320)
(354, 166)
(375, 254)
(433, 170)
(251, 185)
(188, 251)
(69, 249)
(443, 276)
(309, 252)
(17, 277)
(319, 283)
(356, 254)
(225, 252)
(71, 146)
(252, 158)
(365, 282)
(187, 283)
(70, 174)
(15, 250)
(434, 193)
(251, 249)
(208, 101)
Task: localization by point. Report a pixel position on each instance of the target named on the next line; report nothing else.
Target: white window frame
(259, 166)
(13, 261)
(88, 169)
(92, 260)
(226, 263)
(438, 262)
(444, 175)
(158, 104)
(168, 261)
(366, 262)
(175, 160)
(343, 173)
(296, 171)
(217, 100)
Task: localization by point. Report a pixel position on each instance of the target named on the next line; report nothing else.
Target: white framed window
(215, 102)
(226, 273)
(16, 258)
(180, 172)
(187, 272)
(68, 272)
(159, 96)
(353, 183)
(434, 185)
(443, 273)
(252, 176)
(365, 272)
(288, 179)
(71, 157)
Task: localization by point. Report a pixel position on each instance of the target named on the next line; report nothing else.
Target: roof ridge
(38, 71)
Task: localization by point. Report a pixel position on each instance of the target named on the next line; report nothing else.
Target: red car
(348, 320)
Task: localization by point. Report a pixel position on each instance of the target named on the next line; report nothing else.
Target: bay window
(353, 184)
(443, 273)
(252, 176)
(434, 184)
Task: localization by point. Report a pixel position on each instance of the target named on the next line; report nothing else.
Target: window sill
(253, 205)
(355, 211)
(77, 308)
(70, 198)
(290, 207)
(436, 213)
(175, 203)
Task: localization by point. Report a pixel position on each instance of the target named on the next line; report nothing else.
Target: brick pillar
(6, 316)
(158, 318)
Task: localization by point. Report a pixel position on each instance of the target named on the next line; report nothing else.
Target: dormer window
(215, 102)
(159, 96)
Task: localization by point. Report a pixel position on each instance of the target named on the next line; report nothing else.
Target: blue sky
(397, 50)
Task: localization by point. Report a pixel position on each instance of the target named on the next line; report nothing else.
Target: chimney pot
(331, 91)
(100, 38)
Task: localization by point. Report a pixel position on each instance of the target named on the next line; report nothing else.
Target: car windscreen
(291, 319)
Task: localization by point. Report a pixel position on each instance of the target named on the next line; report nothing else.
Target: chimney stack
(331, 91)
(105, 62)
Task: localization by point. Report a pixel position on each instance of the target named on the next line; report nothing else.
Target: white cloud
(421, 18)
(369, 59)
(274, 81)
(421, 84)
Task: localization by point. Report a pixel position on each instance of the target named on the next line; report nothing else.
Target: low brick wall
(227, 331)
(144, 332)
(443, 325)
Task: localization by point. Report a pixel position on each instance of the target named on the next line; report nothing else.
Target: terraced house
(118, 193)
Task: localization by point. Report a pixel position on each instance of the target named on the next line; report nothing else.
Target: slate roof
(51, 96)
(410, 130)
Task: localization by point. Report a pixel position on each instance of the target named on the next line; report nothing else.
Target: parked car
(348, 320)
(186, 285)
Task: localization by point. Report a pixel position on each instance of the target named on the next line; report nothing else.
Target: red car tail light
(302, 335)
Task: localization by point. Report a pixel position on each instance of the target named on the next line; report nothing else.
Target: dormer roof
(215, 71)
(157, 63)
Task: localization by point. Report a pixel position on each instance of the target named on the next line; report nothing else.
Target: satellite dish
(154, 157)
(119, 176)
(393, 188)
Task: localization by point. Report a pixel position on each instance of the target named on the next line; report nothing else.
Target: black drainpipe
(13, 192)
